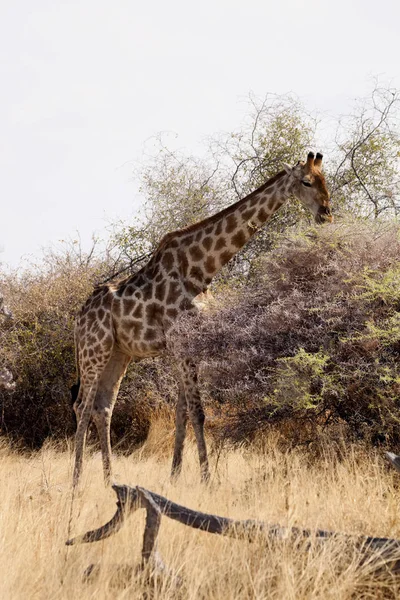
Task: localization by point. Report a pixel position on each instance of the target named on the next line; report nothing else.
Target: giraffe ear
(287, 168)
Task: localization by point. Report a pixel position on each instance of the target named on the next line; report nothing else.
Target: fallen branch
(130, 499)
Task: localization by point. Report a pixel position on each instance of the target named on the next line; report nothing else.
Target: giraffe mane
(222, 213)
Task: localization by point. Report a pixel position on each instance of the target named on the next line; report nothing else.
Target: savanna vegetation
(300, 376)
(355, 493)
(303, 332)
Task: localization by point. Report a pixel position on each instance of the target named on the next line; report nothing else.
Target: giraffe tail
(75, 388)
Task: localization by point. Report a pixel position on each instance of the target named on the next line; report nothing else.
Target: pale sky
(85, 83)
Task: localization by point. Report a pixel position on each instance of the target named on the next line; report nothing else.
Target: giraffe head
(309, 186)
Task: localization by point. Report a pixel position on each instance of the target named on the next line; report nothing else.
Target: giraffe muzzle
(324, 215)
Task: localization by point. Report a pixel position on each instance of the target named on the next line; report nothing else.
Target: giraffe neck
(204, 248)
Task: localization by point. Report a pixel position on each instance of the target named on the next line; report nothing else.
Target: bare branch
(129, 499)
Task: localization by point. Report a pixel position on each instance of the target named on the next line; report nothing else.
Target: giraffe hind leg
(106, 396)
(84, 410)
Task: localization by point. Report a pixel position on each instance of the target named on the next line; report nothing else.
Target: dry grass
(356, 495)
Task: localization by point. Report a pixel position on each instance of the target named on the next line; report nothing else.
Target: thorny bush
(311, 342)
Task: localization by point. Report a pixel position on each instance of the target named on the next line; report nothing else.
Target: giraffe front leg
(196, 414)
(180, 431)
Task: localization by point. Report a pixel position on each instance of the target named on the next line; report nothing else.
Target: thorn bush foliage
(313, 338)
(309, 342)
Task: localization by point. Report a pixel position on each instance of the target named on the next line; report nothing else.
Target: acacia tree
(180, 190)
(365, 177)
(362, 172)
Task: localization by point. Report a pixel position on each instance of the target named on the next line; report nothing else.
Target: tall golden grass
(358, 493)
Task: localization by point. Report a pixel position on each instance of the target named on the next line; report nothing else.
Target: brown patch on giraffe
(107, 321)
(184, 263)
(96, 302)
(160, 291)
(262, 215)
(167, 260)
(239, 239)
(159, 278)
(225, 257)
(101, 334)
(207, 243)
(231, 223)
(208, 230)
(248, 214)
(121, 289)
(209, 264)
(193, 288)
(90, 319)
(107, 300)
(196, 253)
(272, 205)
(173, 292)
(189, 240)
(138, 280)
(199, 235)
(138, 312)
(172, 312)
(196, 273)
(218, 228)
(101, 313)
(128, 304)
(152, 313)
(254, 201)
(108, 342)
(147, 291)
(130, 289)
(90, 353)
(221, 243)
(150, 335)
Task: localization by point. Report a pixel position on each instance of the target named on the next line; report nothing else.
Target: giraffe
(130, 319)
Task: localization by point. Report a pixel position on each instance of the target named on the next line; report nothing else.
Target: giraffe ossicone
(132, 319)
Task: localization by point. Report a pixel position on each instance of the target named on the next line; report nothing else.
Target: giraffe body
(130, 320)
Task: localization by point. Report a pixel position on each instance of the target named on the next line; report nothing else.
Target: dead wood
(385, 551)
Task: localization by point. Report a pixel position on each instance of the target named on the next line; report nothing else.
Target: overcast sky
(85, 83)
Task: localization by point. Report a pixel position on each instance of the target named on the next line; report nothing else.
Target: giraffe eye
(306, 183)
